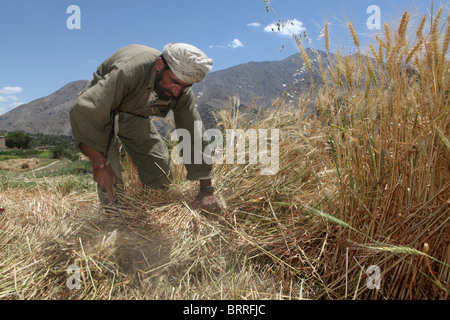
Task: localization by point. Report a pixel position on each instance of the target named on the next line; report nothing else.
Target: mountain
(265, 81)
(48, 115)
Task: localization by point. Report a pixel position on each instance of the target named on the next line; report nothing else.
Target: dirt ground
(22, 165)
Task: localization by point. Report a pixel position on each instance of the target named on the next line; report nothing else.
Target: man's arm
(205, 183)
(185, 116)
(103, 173)
(91, 116)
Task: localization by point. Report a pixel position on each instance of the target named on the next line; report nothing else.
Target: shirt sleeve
(92, 114)
(185, 117)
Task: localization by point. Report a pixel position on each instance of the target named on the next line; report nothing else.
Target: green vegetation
(43, 140)
(64, 181)
(60, 160)
(8, 157)
(17, 153)
(63, 150)
(19, 140)
(23, 145)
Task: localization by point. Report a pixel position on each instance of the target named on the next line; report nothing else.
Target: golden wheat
(353, 34)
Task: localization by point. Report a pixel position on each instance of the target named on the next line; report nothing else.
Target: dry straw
(364, 180)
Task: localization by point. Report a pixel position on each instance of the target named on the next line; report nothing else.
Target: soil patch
(23, 165)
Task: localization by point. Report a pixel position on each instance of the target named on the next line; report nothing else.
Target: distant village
(2, 142)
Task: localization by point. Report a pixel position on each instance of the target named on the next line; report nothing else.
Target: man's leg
(147, 150)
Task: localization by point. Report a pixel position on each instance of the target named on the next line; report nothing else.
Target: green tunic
(122, 85)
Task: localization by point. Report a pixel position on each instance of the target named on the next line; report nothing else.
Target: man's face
(167, 85)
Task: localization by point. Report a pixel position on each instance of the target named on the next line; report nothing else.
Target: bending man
(133, 84)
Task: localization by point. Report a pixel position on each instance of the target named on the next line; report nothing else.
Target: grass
(62, 175)
(4, 157)
(363, 182)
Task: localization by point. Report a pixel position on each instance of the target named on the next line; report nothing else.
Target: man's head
(179, 67)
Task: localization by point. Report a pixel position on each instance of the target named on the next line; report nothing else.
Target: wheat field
(363, 184)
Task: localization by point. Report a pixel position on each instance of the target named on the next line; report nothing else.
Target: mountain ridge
(264, 81)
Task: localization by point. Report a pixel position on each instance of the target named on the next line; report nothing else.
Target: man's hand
(103, 173)
(106, 179)
(207, 202)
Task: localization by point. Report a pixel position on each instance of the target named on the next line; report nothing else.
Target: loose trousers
(146, 149)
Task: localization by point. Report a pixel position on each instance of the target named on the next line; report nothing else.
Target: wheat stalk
(414, 50)
(446, 41)
(419, 31)
(353, 33)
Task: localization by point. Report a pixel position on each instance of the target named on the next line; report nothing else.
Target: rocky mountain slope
(48, 115)
(265, 81)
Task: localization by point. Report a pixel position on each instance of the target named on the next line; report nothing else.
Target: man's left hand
(207, 202)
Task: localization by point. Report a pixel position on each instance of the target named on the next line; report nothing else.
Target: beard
(163, 94)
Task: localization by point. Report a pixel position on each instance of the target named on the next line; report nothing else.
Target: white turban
(187, 62)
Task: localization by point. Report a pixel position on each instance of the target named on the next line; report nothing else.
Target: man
(133, 84)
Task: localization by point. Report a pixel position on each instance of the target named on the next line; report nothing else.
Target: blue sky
(39, 53)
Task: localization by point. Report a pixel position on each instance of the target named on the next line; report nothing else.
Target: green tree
(19, 140)
(62, 150)
(58, 151)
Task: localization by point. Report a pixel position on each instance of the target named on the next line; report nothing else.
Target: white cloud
(254, 24)
(288, 28)
(6, 108)
(236, 43)
(11, 90)
(4, 99)
(8, 94)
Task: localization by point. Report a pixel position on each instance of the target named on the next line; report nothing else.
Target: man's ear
(159, 65)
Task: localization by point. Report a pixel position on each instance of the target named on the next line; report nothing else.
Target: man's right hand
(106, 179)
(103, 173)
